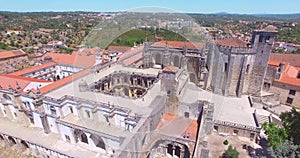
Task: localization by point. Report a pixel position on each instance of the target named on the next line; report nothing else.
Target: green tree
(231, 153)
(291, 122)
(276, 135)
(285, 149)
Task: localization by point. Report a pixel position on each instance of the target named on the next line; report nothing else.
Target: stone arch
(171, 148)
(2, 140)
(139, 92)
(176, 61)
(24, 144)
(157, 59)
(193, 77)
(11, 140)
(7, 97)
(98, 141)
(126, 91)
(80, 136)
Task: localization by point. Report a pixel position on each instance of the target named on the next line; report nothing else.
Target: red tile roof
(7, 79)
(118, 48)
(178, 44)
(289, 75)
(274, 63)
(173, 69)
(11, 54)
(63, 81)
(32, 69)
(293, 59)
(133, 59)
(85, 58)
(190, 130)
(231, 42)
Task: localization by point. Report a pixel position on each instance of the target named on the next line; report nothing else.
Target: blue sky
(188, 6)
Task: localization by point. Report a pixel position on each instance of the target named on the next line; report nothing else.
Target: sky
(184, 6)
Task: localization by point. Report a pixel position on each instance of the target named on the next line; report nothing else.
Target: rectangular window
(289, 101)
(292, 92)
(52, 109)
(88, 114)
(235, 132)
(71, 109)
(67, 138)
(225, 67)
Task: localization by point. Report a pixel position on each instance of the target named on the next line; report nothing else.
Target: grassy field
(138, 36)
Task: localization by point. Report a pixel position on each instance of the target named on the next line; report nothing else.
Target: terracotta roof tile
(179, 44)
(118, 48)
(32, 69)
(84, 58)
(6, 80)
(231, 42)
(289, 76)
(274, 63)
(293, 59)
(63, 81)
(172, 69)
(133, 59)
(11, 54)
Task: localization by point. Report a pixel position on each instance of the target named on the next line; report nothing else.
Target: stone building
(14, 60)
(283, 80)
(113, 109)
(237, 67)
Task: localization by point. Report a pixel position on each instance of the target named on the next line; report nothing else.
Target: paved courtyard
(217, 148)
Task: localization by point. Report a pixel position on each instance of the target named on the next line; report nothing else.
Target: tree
(285, 149)
(276, 135)
(231, 153)
(291, 122)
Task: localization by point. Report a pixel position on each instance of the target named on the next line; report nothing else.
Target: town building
(283, 78)
(14, 60)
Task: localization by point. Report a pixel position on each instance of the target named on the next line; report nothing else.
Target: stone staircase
(261, 119)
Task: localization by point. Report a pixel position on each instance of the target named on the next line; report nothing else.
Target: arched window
(7, 97)
(247, 68)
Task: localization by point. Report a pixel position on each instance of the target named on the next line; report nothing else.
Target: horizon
(188, 6)
(87, 11)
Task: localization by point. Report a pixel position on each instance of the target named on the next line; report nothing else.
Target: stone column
(45, 123)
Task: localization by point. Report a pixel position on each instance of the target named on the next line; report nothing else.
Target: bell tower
(262, 42)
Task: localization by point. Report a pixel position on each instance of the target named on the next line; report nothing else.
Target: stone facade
(234, 69)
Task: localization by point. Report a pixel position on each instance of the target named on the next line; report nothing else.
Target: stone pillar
(45, 123)
(21, 114)
(7, 111)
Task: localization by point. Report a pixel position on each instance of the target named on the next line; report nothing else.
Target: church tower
(262, 42)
